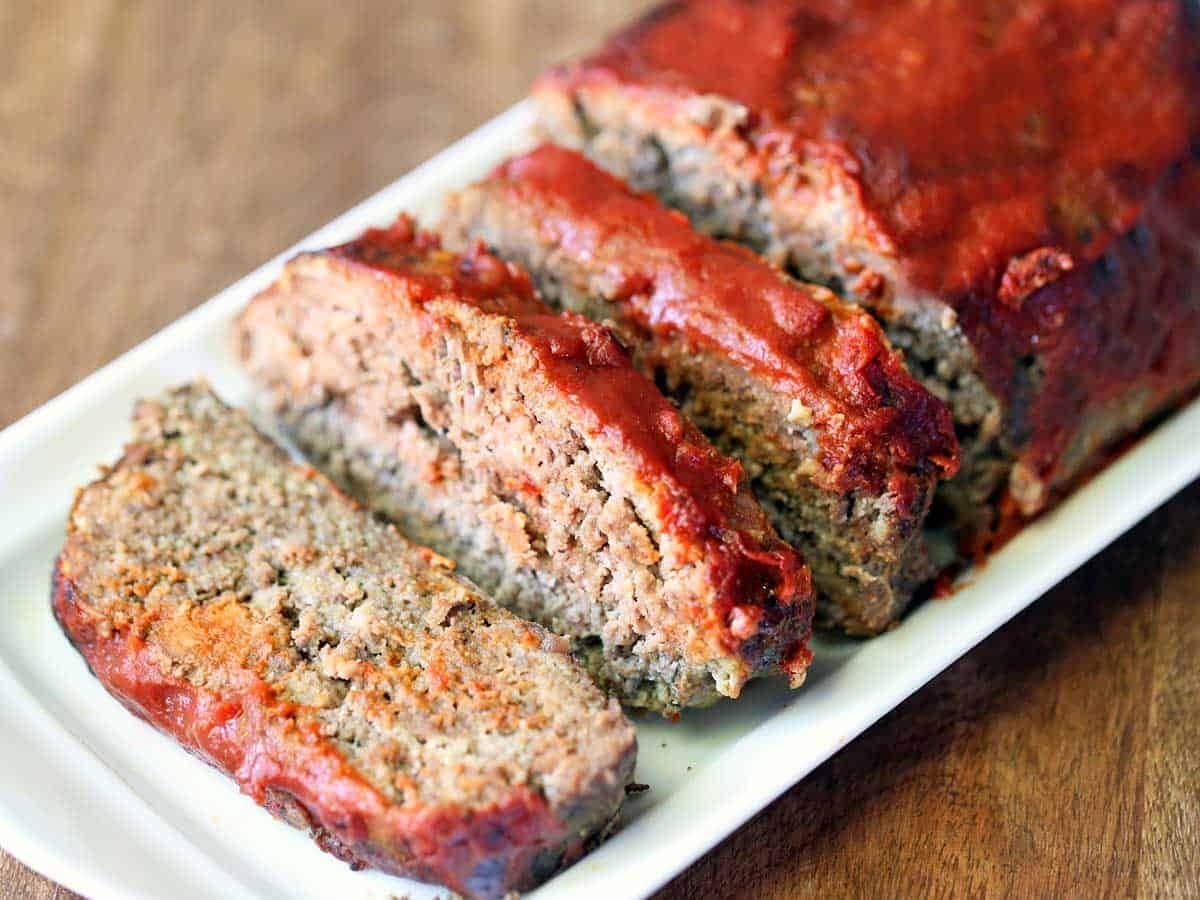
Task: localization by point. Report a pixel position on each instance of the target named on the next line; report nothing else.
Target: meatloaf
(842, 445)
(523, 444)
(345, 678)
(1010, 186)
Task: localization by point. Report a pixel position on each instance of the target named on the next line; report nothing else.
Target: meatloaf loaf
(344, 677)
(1010, 186)
(523, 444)
(843, 446)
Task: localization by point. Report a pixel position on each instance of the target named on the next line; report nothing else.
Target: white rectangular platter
(95, 799)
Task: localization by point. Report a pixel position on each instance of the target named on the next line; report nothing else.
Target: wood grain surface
(151, 153)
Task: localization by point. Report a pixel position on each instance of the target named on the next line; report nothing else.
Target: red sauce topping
(704, 498)
(1019, 159)
(975, 131)
(270, 747)
(874, 418)
(1131, 320)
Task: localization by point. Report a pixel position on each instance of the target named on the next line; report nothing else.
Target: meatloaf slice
(523, 444)
(344, 677)
(843, 446)
(962, 169)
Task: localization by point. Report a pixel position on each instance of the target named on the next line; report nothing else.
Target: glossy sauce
(272, 748)
(976, 130)
(1032, 164)
(704, 498)
(874, 419)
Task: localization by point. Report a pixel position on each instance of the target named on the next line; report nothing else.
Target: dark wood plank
(1170, 832)
(152, 153)
(1059, 758)
(17, 881)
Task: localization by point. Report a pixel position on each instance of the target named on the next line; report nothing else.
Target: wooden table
(152, 153)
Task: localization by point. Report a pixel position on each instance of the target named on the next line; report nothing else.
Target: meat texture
(523, 444)
(345, 678)
(1010, 187)
(843, 446)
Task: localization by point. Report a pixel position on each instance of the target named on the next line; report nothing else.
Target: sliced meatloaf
(343, 676)
(523, 444)
(1009, 186)
(843, 446)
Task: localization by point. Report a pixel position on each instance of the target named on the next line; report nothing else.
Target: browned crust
(1065, 254)
(762, 596)
(283, 763)
(510, 846)
(684, 287)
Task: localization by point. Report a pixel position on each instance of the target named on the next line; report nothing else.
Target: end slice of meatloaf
(523, 444)
(960, 168)
(343, 676)
(843, 446)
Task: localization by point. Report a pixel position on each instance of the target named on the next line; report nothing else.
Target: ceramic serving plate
(94, 798)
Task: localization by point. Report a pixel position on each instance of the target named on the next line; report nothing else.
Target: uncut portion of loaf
(524, 445)
(344, 677)
(962, 169)
(843, 446)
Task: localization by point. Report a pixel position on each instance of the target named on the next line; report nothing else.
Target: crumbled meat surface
(341, 674)
(958, 167)
(842, 445)
(523, 444)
